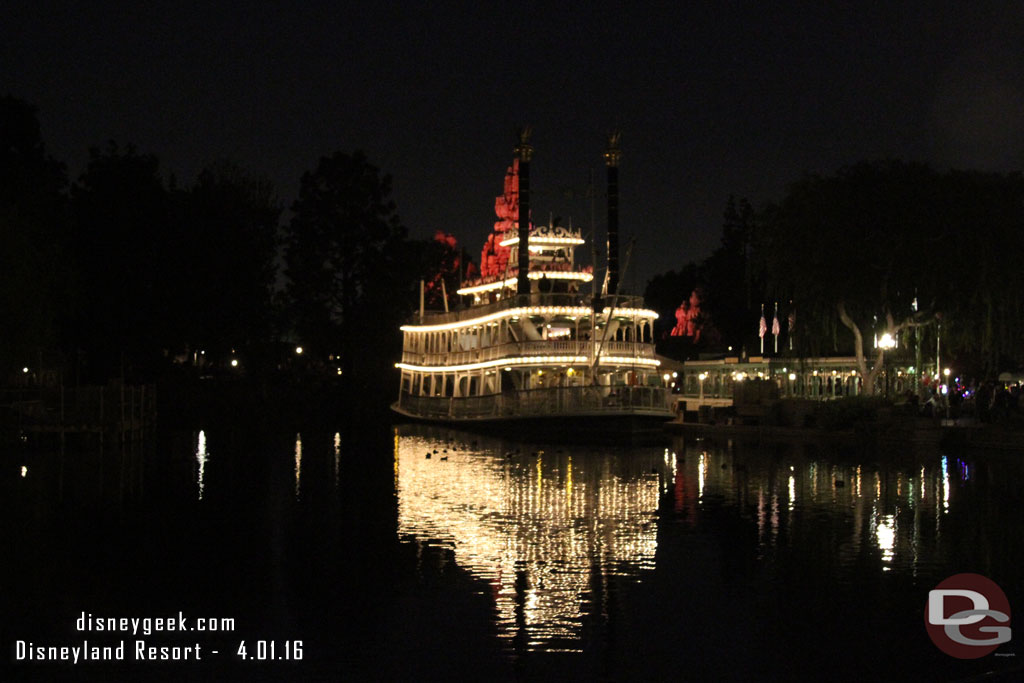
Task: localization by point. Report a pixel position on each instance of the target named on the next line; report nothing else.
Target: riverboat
(533, 342)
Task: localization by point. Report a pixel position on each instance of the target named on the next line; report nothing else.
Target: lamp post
(886, 343)
(945, 396)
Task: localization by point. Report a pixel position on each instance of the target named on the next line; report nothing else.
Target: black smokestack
(525, 152)
(611, 159)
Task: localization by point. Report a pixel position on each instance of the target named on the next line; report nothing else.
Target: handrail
(557, 347)
(516, 301)
(551, 401)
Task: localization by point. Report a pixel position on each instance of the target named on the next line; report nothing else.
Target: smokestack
(611, 159)
(524, 152)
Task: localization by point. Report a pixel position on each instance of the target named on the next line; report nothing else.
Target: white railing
(530, 348)
(542, 402)
(513, 301)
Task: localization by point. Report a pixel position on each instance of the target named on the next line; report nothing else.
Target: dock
(116, 412)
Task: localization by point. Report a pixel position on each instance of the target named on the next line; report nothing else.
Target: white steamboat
(533, 345)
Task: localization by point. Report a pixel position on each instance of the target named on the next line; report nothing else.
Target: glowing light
(946, 372)
(885, 536)
(625, 360)
(337, 456)
(513, 313)
(510, 527)
(530, 360)
(702, 376)
(201, 457)
(534, 275)
(521, 360)
(24, 471)
(887, 341)
(568, 483)
(512, 241)
(761, 513)
(945, 485)
(234, 362)
(792, 376)
(702, 473)
(298, 465)
(488, 287)
(25, 370)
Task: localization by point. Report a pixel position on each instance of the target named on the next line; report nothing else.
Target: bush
(849, 412)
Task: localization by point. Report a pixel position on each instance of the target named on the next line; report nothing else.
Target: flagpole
(775, 328)
(791, 323)
(761, 329)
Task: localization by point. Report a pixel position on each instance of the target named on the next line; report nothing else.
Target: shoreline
(909, 432)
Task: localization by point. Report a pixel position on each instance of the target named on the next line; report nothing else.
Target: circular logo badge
(967, 616)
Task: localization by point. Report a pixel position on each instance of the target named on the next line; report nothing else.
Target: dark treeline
(121, 273)
(879, 247)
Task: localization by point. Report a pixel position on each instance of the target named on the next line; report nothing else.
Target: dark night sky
(718, 98)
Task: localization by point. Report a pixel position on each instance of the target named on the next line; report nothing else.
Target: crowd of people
(988, 402)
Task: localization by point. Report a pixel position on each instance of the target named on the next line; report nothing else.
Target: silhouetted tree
(122, 240)
(728, 281)
(442, 261)
(225, 260)
(344, 260)
(980, 285)
(857, 251)
(33, 224)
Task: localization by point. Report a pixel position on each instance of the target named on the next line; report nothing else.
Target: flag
(775, 322)
(763, 327)
(790, 324)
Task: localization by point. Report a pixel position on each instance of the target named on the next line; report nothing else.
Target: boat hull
(583, 426)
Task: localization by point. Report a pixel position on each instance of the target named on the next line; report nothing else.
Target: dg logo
(967, 616)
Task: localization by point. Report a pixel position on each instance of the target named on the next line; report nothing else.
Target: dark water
(499, 561)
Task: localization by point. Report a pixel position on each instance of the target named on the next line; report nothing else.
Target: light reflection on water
(298, 466)
(891, 509)
(629, 553)
(337, 458)
(202, 455)
(540, 526)
(551, 531)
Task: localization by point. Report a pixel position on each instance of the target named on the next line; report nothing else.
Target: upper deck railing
(543, 347)
(524, 300)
